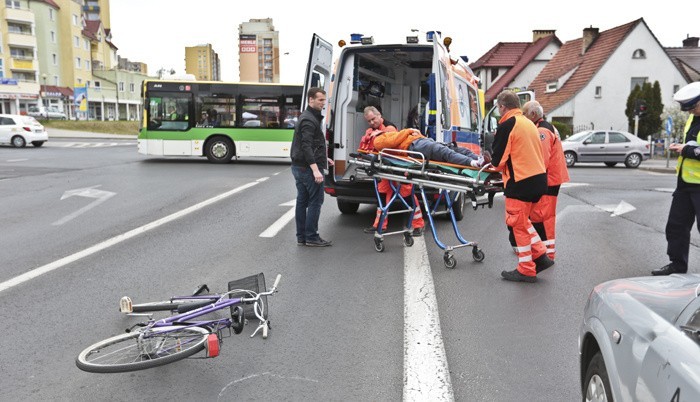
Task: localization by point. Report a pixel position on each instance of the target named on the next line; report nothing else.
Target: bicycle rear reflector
(212, 345)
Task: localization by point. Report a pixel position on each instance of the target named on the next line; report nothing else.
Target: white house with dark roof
(588, 81)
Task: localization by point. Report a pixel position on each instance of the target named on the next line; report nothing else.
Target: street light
(43, 76)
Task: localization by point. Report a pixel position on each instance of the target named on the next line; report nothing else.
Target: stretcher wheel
(479, 190)
(379, 245)
(407, 239)
(450, 261)
(477, 254)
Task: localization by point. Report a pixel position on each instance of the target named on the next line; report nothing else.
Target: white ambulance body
(395, 78)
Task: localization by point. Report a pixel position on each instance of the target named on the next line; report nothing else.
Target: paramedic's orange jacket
(397, 140)
(553, 154)
(517, 153)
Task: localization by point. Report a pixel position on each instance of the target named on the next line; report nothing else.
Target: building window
(2, 69)
(54, 58)
(86, 43)
(75, 20)
(77, 62)
(12, 4)
(55, 80)
(53, 37)
(639, 54)
(494, 74)
(676, 88)
(80, 81)
(121, 86)
(76, 41)
(637, 82)
(598, 92)
(132, 87)
(551, 87)
(51, 16)
(97, 84)
(87, 65)
(87, 84)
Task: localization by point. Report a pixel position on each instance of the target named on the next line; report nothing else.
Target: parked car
(46, 113)
(18, 130)
(640, 340)
(609, 147)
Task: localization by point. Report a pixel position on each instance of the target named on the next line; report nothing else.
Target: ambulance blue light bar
(355, 38)
(430, 35)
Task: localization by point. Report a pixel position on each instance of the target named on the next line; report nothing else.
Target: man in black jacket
(309, 160)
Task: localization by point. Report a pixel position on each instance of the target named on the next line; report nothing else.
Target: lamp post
(272, 62)
(43, 76)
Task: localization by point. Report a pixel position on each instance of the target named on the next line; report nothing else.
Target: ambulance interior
(395, 80)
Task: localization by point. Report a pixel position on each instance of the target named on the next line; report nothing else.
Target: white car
(44, 113)
(18, 130)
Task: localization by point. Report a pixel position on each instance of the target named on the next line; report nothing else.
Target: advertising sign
(248, 44)
(80, 96)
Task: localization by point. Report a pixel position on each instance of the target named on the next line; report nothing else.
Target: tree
(650, 122)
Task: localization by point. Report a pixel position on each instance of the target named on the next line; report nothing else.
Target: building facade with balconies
(259, 53)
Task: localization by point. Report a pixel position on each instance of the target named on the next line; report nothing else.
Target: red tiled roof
(529, 54)
(65, 91)
(504, 54)
(587, 65)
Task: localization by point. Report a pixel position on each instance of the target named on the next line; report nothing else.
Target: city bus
(218, 120)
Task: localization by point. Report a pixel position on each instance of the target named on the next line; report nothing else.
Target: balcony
(91, 8)
(19, 15)
(22, 64)
(16, 39)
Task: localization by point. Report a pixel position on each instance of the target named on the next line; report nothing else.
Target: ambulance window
(317, 80)
(445, 118)
(473, 107)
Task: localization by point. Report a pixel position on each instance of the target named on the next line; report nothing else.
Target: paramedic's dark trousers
(685, 211)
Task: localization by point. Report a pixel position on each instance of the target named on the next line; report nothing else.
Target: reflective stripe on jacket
(689, 168)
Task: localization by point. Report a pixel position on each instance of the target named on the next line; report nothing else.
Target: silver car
(640, 340)
(46, 113)
(609, 147)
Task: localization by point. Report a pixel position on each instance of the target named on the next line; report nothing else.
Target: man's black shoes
(370, 230)
(543, 262)
(318, 243)
(669, 269)
(516, 276)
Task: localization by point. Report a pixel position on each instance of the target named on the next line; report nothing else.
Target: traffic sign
(669, 125)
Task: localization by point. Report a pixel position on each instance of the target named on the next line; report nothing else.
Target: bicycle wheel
(142, 349)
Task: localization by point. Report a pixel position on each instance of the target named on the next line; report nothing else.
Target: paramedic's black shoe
(418, 232)
(542, 263)
(318, 243)
(301, 242)
(370, 230)
(669, 269)
(516, 276)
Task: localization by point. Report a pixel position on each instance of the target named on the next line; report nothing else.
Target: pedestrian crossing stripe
(89, 144)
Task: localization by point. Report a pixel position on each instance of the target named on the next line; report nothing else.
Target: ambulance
(404, 80)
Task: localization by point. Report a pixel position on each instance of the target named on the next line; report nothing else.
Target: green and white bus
(218, 120)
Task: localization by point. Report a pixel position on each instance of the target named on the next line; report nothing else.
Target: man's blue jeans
(309, 201)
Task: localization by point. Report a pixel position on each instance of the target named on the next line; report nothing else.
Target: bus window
(221, 111)
(261, 112)
(169, 112)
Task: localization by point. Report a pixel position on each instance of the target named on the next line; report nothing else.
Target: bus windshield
(218, 120)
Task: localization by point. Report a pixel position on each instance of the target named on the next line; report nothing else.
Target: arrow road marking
(88, 192)
(617, 210)
(282, 221)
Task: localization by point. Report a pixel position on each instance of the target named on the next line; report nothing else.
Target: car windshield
(578, 137)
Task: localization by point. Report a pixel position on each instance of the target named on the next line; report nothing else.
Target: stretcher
(450, 181)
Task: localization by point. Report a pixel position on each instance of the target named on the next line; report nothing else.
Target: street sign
(669, 125)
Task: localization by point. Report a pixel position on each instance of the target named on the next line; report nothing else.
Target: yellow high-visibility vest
(690, 167)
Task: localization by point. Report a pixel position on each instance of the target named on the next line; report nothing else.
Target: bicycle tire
(160, 346)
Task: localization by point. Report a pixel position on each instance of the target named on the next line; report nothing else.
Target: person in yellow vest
(685, 207)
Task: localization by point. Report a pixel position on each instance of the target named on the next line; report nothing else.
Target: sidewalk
(58, 133)
(659, 165)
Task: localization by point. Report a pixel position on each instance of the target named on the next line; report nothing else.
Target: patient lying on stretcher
(412, 140)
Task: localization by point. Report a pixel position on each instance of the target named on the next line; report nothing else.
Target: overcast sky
(156, 32)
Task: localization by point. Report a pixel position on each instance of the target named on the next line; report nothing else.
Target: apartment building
(259, 53)
(60, 53)
(203, 62)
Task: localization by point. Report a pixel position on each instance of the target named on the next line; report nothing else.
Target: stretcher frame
(413, 168)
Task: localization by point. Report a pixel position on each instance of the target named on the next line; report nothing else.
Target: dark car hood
(667, 296)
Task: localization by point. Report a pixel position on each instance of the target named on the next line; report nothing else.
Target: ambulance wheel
(408, 239)
(379, 245)
(348, 208)
(450, 261)
(477, 254)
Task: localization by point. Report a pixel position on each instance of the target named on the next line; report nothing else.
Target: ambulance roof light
(355, 38)
(411, 39)
(367, 40)
(430, 35)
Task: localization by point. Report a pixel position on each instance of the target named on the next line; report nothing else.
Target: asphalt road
(338, 320)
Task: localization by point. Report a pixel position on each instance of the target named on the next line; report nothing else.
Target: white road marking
(665, 190)
(17, 160)
(120, 238)
(426, 375)
(570, 184)
(88, 192)
(571, 209)
(281, 222)
(617, 210)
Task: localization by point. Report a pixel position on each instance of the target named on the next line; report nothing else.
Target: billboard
(247, 44)
(80, 98)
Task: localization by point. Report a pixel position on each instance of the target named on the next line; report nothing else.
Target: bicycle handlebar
(272, 290)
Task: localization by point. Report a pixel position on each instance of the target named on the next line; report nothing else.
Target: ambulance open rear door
(318, 69)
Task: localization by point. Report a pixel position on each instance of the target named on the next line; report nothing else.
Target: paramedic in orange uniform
(378, 125)
(544, 212)
(517, 154)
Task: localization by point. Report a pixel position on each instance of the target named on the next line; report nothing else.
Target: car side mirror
(586, 142)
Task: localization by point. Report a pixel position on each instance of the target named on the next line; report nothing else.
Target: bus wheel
(219, 150)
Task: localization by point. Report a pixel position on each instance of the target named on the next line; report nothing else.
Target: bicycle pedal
(125, 305)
